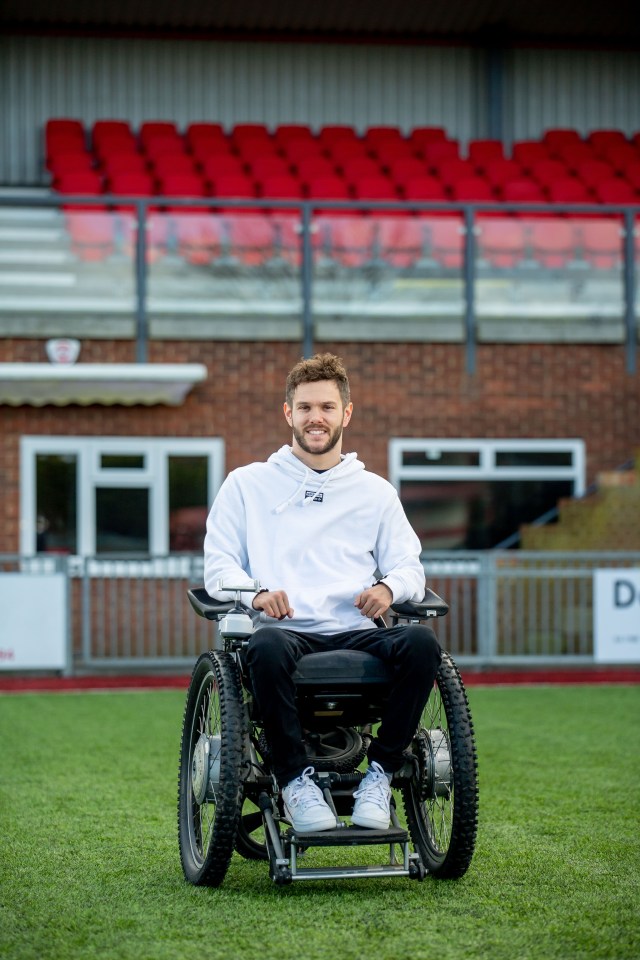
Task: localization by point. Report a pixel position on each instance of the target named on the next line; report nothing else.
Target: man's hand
(274, 603)
(375, 601)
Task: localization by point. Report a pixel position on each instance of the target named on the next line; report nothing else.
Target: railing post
(487, 614)
(142, 333)
(469, 290)
(306, 277)
(631, 331)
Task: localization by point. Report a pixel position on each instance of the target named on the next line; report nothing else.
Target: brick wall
(519, 391)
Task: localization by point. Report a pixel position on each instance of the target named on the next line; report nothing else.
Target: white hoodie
(320, 537)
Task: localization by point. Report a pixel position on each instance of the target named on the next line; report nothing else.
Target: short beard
(332, 440)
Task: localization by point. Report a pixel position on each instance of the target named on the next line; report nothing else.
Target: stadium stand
(292, 162)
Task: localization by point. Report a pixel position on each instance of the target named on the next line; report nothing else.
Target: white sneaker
(305, 806)
(373, 800)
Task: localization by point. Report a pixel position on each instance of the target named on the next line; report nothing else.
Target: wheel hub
(435, 764)
(205, 768)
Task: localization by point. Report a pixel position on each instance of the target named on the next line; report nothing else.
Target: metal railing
(307, 209)
(507, 608)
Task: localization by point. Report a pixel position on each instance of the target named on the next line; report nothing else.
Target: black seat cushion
(341, 667)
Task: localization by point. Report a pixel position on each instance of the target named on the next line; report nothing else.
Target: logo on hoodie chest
(309, 495)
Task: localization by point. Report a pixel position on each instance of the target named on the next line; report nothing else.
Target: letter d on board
(623, 593)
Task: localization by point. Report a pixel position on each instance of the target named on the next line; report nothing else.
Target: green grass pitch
(89, 861)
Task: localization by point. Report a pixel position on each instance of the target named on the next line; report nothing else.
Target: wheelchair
(229, 800)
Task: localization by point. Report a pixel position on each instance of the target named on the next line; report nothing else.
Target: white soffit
(41, 384)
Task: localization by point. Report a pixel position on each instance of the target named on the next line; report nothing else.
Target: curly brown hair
(323, 366)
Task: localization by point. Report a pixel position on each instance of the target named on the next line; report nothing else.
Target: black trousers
(413, 652)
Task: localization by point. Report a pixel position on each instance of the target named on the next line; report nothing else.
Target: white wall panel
(584, 89)
(92, 78)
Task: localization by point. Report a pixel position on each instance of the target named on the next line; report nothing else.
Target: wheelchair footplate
(286, 849)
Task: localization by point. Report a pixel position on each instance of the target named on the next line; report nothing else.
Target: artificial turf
(89, 863)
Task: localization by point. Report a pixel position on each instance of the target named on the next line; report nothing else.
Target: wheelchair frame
(229, 800)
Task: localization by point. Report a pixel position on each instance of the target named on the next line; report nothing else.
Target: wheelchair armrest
(206, 606)
(431, 605)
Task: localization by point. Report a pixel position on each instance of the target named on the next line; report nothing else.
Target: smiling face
(317, 418)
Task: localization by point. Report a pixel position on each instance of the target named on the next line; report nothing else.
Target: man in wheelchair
(334, 545)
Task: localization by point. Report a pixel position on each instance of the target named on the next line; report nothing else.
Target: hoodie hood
(285, 459)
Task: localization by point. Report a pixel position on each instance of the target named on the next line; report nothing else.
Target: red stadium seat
(523, 190)
(632, 174)
(400, 241)
(250, 138)
(560, 137)
(402, 169)
(383, 134)
(270, 165)
(350, 240)
(388, 151)
(168, 163)
(498, 172)
(161, 145)
(446, 241)
(333, 133)
(552, 242)
(356, 168)
(600, 139)
(437, 151)
(110, 131)
(124, 163)
(251, 238)
(128, 184)
(420, 136)
(573, 154)
(83, 183)
(593, 172)
(60, 163)
(156, 234)
(483, 152)
(343, 150)
(601, 242)
(151, 130)
(91, 235)
(424, 188)
(222, 165)
(234, 187)
(376, 188)
(569, 190)
(288, 132)
(615, 190)
(315, 166)
(502, 242)
(298, 150)
(183, 185)
(328, 188)
(545, 172)
(619, 156)
(451, 171)
(282, 188)
(528, 152)
(63, 135)
(472, 189)
(198, 237)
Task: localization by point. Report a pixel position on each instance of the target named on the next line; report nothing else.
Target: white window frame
(153, 476)
(487, 468)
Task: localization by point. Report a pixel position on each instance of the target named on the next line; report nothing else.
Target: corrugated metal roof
(511, 22)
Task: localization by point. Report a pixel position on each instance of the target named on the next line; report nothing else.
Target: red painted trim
(472, 678)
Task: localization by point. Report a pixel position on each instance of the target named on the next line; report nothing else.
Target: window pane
(56, 487)
(117, 461)
(434, 457)
(188, 488)
(532, 458)
(476, 515)
(122, 520)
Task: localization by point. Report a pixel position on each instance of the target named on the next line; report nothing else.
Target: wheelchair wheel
(441, 799)
(250, 838)
(209, 778)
